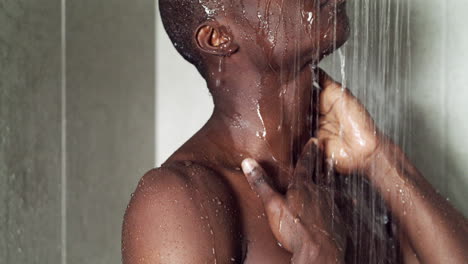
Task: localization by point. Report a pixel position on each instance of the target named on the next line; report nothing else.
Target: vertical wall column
(107, 105)
(110, 116)
(30, 182)
(439, 93)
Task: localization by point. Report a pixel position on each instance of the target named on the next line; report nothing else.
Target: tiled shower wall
(76, 125)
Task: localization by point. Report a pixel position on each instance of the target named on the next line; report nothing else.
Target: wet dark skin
(239, 191)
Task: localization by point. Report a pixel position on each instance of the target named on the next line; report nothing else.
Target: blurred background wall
(82, 116)
(76, 125)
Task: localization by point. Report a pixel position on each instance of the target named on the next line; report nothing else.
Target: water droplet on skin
(343, 153)
(220, 70)
(209, 10)
(316, 85)
(309, 17)
(263, 134)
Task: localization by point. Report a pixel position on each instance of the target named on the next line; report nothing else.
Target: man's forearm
(436, 231)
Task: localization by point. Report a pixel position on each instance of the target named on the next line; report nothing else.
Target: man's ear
(214, 39)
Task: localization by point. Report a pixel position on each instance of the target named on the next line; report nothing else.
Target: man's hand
(304, 221)
(346, 131)
(349, 137)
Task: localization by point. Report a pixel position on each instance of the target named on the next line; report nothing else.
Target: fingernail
(248, 165)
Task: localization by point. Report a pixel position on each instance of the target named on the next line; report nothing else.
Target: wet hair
(180, 19)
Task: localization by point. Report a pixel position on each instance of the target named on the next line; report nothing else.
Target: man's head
(266, 34)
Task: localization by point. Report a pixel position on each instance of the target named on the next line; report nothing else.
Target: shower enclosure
(92, 95)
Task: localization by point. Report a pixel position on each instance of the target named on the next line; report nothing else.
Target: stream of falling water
(374, 65)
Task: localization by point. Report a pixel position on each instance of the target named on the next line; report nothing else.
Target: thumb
(257, 179)
(279, 216)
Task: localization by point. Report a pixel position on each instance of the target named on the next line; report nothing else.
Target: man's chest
(258, 242)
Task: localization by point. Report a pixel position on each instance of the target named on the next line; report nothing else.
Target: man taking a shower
(250, 186)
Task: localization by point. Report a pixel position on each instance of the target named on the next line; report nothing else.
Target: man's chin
(342, 35)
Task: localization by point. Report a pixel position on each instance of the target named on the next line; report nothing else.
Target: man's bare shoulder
(181, 213)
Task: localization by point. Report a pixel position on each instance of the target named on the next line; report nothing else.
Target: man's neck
(263, 116)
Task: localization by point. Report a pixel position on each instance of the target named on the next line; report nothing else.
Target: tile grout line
(63, 143)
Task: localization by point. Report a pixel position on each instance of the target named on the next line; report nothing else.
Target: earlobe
(214, 39)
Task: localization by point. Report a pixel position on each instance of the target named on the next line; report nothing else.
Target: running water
(374, 65)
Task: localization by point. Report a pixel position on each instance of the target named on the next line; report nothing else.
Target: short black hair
(180, 19)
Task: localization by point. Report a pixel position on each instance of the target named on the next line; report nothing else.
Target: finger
(326, 133)
(326, 81)
(279, 216)
(258, 181)
(330, 99)
(330, 126)
(326, 119)
(337, 156)
(332, 93)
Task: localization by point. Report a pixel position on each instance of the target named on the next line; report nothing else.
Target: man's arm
(435, 230)
(171, 220)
